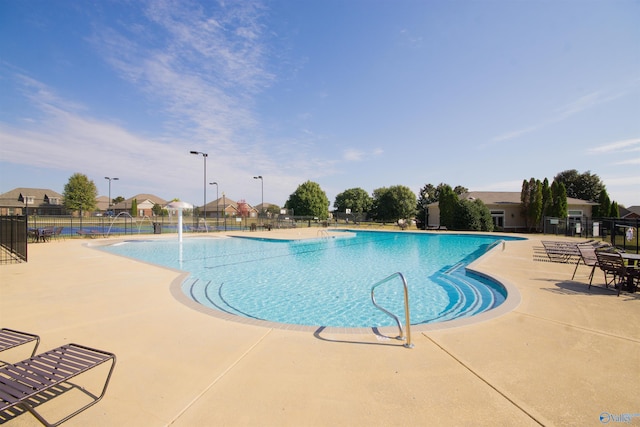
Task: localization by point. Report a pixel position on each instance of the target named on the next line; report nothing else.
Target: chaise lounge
(26, 384)
(10, 338)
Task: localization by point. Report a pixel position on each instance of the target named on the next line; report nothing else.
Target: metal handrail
(402, 336)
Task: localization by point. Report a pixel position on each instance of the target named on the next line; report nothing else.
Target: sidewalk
(564, 356)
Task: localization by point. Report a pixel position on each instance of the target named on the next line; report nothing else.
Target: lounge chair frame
(563, 252)
(587, 257)
(23, 381)
(10, 338)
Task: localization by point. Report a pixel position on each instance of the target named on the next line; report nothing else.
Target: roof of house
(510, 198)
(630, 212)
(140, 198)
(13, 198)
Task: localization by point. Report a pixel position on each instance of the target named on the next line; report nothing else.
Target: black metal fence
(621, 233)
(13, 239)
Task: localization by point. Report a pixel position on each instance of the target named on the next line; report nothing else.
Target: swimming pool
(327, 281)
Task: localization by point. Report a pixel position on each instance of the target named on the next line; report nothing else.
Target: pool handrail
(402, 336)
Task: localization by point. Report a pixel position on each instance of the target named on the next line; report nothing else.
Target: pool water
(327, 281)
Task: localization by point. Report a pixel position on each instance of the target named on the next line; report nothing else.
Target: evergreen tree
(134, 208)
(447, 201)
(614, 212)
(546, 197)
(604, 205)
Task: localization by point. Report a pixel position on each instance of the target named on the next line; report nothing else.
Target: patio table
(631, 262)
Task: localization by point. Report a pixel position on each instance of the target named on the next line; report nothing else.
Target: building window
(29, 200)
(498, 218)
(54, 201)
(574, 213)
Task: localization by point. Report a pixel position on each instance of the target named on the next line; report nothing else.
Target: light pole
(204, 207)
(110, 179)
(262, 185)
(224, 213)
(425, 203)
(217, 203)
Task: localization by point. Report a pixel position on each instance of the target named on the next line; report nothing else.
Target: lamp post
(425, 203)
(217, 203)
(224, 213)
(110, 179)
(262, 186)
(204, 207)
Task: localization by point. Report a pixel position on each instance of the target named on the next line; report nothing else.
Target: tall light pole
(217, 203)
(110, 179)
(204, 207)
(262, 185)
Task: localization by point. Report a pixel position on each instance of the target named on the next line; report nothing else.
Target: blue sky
(349, 93)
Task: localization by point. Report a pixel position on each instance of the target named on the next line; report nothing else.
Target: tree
(447, 201)
(426, 196)
(273, 209)
(604, 205)
(158, 211)
(585, 186)
(472, 215)
(531, 197)
(393, 203)
(134, 208)
(80, 194)
(118, 200)
(558, 206)
(614, 212)
(546, 197)
(355, 199)
(309, 200)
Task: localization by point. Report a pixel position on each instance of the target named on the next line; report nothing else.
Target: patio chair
(612, 264)
(57, 232)
(587, 257)
(10, 338)
(40, 378)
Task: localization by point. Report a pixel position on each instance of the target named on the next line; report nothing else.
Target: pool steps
(469, 298)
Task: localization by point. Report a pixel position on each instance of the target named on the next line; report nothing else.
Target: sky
(345, 93)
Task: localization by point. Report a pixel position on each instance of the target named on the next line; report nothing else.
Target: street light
(262, 185)
(110, 179)
(217, 203)
(204, 207)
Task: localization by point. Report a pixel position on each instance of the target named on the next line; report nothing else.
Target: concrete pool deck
(566, 355)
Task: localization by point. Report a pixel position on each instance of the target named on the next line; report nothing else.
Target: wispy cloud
(623, 151)
(574, 107)
(203, 64)
(354, 155)
(626, 145)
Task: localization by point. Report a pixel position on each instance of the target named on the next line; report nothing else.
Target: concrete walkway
(565, 356)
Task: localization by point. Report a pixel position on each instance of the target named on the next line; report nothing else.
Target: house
(506, 209)
(35, 201)
(632, 212)
(102, 204)
(145, 203)
(224, 206)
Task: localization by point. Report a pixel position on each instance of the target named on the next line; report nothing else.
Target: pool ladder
(407, 337)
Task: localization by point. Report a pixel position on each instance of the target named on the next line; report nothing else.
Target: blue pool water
(327, 281)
